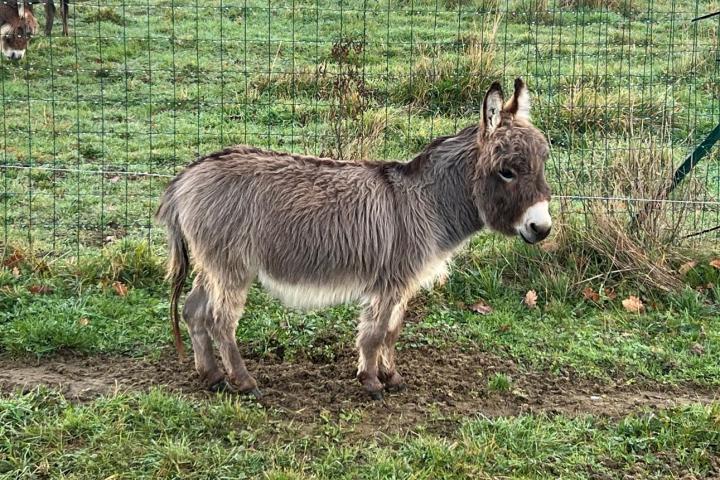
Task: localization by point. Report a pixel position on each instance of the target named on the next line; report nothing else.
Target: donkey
(17, 26)
(317, 232)
(50, 16)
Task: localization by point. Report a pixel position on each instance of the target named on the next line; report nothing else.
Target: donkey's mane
(423, 158)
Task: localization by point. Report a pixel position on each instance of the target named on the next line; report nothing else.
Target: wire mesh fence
(95, 123)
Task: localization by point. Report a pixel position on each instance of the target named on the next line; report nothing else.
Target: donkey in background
(17, 26)
(318, 232)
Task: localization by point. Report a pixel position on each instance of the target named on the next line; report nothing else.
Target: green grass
(499, 382)
(130, 92)
(157, 435)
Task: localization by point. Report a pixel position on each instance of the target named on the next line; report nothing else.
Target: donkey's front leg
(388, 372)
(371, 335)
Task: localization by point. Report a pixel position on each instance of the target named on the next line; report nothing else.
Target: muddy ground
(448, 383)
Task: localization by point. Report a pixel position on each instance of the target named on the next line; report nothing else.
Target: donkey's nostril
(533, 227)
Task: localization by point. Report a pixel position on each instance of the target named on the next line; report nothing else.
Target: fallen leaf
(84, 322)
(13, 259)
(115, 179)
(610, 293)
(16, 272)
(120, 288)
(590, 294)
(633, 304)
(686, 267)
(697, 349)
(715, 263)
(481, 307)
(550, 247)
(530, 299)
(39, 289)
(504, 328)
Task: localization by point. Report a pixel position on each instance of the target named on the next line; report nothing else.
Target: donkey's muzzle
(540, 232)
(14, 54)
(536, 223)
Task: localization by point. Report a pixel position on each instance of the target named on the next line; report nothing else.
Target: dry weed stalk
(642, 248)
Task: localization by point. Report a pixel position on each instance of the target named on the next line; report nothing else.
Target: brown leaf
(715, 263)
(550, 246)
(16, 272)
(633, 304)
(590, 294)
(610, 293)
(120, 288)
(697, 349)
(530, 299)
(686, 267)
(481, 307)
(39, 289)
(84, 322)
(14, 259)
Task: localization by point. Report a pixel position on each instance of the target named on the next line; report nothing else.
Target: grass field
(576, 387)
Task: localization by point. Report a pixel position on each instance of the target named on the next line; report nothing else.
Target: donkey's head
(509, 185)
(17, 25)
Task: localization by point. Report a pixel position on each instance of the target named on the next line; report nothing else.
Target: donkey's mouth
(525, 239)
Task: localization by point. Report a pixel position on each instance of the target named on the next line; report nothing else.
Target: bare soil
(440, 385)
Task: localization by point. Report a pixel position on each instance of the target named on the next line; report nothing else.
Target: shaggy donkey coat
(318, 232)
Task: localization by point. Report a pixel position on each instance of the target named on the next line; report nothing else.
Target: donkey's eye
(507, 175)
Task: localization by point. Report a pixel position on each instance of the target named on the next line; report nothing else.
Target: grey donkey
(318, 232)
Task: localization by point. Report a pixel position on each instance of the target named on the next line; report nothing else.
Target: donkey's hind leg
(388, 374)
(371, 336)
(198, 315)
(64, 7)
(228, 305)
(49, 16)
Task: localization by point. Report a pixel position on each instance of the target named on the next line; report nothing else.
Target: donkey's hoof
(377, 395)
(255, 392)
(220, 386)
(395, 387)
(393, 383)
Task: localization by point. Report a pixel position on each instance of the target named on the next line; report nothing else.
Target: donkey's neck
(442, 175)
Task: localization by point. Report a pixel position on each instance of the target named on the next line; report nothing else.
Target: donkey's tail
(178, 263)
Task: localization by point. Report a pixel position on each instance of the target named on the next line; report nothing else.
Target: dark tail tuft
(177, 270)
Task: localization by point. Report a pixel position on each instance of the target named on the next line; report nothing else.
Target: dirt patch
(440, 384)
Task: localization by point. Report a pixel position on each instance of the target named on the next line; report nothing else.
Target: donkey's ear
(492, 108)
(32, 25)
(519, 104)
(25, 13)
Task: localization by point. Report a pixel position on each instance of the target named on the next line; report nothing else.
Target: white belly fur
(309, 296)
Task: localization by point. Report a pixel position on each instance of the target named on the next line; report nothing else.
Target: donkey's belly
(308, 296)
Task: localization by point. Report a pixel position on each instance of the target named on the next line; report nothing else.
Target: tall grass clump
(623, 7)
(602, 111)
(446, 82)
